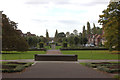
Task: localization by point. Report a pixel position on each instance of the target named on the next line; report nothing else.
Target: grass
(94, 54)
(47, 47)
(13, 55)
(117, 77)
(58, 47)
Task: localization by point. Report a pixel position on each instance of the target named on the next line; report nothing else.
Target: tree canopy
(111, 25)
(11, 39)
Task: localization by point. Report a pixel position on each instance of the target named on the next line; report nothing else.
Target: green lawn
(20, 55)
(58, 47)
(93, 54)
(47, 47)
(83, 54)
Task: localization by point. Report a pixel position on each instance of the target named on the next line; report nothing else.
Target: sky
(36, 16)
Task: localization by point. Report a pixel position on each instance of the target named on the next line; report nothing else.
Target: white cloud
(65, 15)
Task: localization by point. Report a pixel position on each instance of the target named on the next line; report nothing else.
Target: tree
(11, 39)
(76, 40)
(85, 40)
(47, 35)
(67, 34)
(88, 30)
(56, 35)
(71, 40)
(94, 30)
(75, 32)
(84, 37)
(61, 36)
(84, 32)
(111, 25)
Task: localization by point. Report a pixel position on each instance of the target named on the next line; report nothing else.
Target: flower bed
(106, 67)
(10, 67)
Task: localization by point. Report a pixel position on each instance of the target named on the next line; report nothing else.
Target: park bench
(55, 57)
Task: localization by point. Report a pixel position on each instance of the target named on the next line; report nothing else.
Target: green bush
(41, 45)
(16, 67)
(65, 44)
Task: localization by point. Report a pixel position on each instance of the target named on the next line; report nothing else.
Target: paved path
(58, 70)
(53, 52)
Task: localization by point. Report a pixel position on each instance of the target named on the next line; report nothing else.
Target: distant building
(28, 34)
(98, 40)
(95, 39)
(20, 32)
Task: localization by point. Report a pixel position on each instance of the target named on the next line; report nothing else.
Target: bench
(55, 57)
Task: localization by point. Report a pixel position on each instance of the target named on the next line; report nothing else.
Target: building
(98, 40)
(28, 34)
(20, 32)
(95, 39)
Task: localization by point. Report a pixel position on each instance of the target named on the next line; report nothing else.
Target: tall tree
(84, 32)
(56, 36)
(111, 25)
(56, 33)
(84, 36)
(47, 35)
(94, 31)
(88, 30)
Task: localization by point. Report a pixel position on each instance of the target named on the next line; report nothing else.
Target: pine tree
(88, 30)
(84, 32)
(94, 29)
(56, 35)
(47, 35)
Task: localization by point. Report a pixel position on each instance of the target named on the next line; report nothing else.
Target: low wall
(55, 57)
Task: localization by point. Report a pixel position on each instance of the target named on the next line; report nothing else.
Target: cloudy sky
(36, 16)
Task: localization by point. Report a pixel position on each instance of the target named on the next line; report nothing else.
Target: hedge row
(43, 49)
(105, 67)
(84, 49)
(18, 67)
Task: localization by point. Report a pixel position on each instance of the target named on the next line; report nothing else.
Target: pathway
(58, 70)
(53, 52)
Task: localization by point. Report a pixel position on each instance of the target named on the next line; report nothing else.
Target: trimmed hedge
(106, 67)
(84, 49)
(16, 67)
(42, 49)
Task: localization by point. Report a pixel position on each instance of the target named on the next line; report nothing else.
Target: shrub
(65, 44)
(41, 45)
(15, 67)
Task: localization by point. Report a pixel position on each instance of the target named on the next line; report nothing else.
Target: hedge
(84, 49)
(18, 67)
